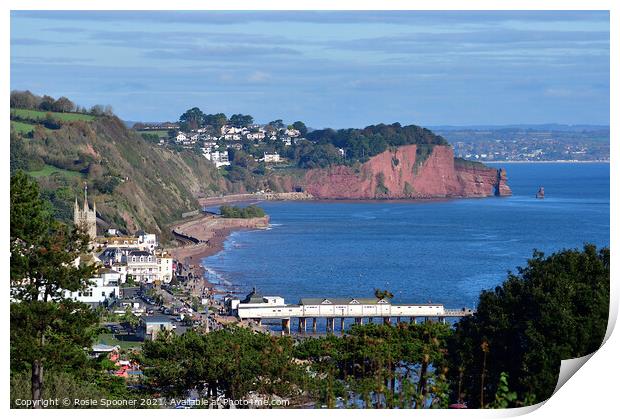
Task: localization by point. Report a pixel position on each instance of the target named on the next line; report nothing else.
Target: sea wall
(408, 173)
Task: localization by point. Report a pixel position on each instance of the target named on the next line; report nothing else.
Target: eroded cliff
(408, 172)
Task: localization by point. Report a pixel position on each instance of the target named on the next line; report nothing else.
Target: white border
(591, 392)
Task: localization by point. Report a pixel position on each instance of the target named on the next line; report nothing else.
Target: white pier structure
(258, 307)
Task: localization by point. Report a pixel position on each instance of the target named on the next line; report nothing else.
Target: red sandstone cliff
(396, 175)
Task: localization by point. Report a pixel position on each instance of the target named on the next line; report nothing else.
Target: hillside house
(255, 136)
(271, 158)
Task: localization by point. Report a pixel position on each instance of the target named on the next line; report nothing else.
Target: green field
(40, 115)
(22, 127)
(161, 133)
(49, 170)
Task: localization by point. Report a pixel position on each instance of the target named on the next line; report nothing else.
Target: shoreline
(210, 233)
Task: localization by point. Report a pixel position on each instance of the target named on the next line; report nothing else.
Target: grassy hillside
(22, 127)
(35, 115)
(137, 185)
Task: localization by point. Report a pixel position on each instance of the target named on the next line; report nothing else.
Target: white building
(142, 266)
(232, 137)
(104, 289)
(164, 264)
(255, 135)
(292, 132)
(181, 138)
(230, 130)
(271, 157)
(147, 241)
(219, 158)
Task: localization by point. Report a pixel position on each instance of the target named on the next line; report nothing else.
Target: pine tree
(47, 329)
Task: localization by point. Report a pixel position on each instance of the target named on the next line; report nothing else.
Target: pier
(336, 312)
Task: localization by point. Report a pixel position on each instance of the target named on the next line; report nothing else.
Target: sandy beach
(205, 236)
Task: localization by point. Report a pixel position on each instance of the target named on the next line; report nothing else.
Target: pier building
(257, 307)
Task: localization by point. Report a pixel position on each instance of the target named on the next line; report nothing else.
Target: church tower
(85, 217)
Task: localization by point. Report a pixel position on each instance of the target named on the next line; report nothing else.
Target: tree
(46, 328)
(233, 361)
(239, 120)
(47, 102)
(217, 120)
(24, 100)
(277, 124)
(96, 110)
(192, 119)
(301, 127)
(555, 308)
(62, 104)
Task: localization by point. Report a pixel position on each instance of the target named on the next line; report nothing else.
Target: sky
(328, 69)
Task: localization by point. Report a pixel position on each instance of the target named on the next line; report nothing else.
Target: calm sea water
(443, 251)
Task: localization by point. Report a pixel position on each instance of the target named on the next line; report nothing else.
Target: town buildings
(211, 142)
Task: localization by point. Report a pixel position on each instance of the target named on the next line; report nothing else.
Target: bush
(251, 211)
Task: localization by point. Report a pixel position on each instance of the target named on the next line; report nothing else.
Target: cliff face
(397, 175)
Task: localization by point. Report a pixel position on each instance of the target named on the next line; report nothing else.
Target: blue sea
(440, 251)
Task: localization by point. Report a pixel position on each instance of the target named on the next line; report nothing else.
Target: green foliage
(233, 361)
(20, 156)
(503, 397)
(143, 185)
(47, 329)
(22, 127)
(555, 308)
(277, 124)
(251, 211)
(130, 318)
(240, 120)
(59, 385)
(361, 144)
(107, 184)
(311, 156)
(422, 153)
(382, 190)
(151, 137)
(40, 116)
(217, 120)
(42, 250)
(191, 119)
(301, 127)
(49, 170)
(380, 366)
